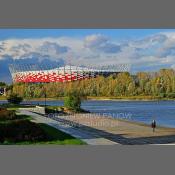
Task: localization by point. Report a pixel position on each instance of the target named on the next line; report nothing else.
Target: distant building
(3, 91)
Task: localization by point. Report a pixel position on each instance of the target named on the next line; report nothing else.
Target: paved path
(88, 137)
(121, 131)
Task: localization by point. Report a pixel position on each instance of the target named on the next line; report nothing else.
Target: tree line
(154, 84)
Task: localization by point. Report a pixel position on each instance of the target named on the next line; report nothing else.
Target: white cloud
(97, 49)
(95, 40)
(101, 43)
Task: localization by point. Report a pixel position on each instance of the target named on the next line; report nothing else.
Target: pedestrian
(153, 125)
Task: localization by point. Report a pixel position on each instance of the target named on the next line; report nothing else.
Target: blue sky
(116, 33)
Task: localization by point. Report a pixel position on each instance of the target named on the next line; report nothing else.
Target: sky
(143, 49)
(113, 33)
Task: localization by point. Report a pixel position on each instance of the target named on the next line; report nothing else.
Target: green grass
(59, 137)
(56, 138)
(21, 116)
(14, 107)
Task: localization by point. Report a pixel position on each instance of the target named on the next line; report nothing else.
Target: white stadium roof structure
(35, 73)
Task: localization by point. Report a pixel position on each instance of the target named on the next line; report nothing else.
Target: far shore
(132, 98)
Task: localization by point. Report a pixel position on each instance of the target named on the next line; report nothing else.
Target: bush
(14, 99)
(6, 115)
(171, 95)
(162, 95)
(73, 101)
(3, 84)
(21, 130)
(54, 109)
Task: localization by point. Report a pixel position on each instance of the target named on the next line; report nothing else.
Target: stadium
(67, 73)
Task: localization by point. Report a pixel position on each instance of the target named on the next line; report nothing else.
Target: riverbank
(132, 98)
(122, 131)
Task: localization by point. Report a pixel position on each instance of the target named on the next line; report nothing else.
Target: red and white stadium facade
(62, 74)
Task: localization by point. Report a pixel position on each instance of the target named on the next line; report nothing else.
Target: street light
(45, 96)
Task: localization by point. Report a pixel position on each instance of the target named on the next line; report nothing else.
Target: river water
(141, 111)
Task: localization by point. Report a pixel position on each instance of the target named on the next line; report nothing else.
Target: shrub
(14, 99)
(171, 95)
(6, 115)
(54, 109)
(73, 101)
(162, 95)
(21, 130)
(3, 84)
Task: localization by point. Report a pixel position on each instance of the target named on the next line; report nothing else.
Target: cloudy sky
(145, 50)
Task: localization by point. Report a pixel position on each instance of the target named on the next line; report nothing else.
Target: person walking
(153, 125)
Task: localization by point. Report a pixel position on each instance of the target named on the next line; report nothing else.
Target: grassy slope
(58, 137)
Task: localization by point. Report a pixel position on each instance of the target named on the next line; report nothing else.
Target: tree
(73, 101)
(160, 83)
(143, 78)
(14, 99)
(2, 84)
(123, 80)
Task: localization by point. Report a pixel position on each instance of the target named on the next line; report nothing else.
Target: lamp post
(45, 96)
